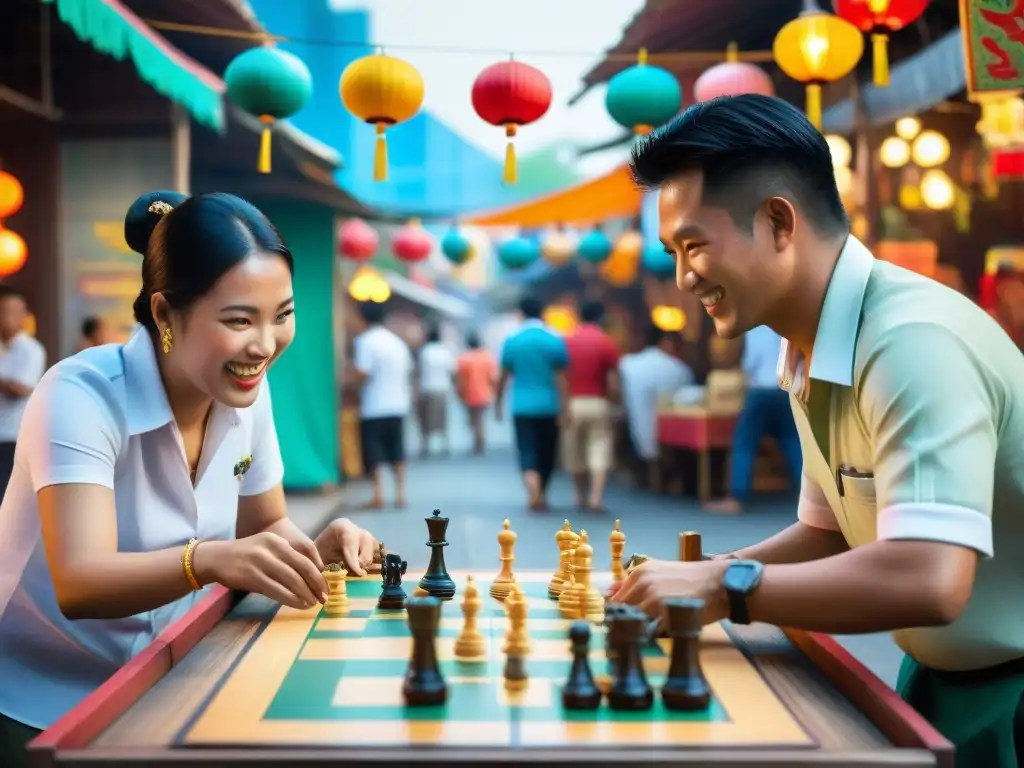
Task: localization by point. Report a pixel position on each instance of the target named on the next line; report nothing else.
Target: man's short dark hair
(472, 340)
(373, 312)
(531, 307)
(747, 148)
(10, 292)
(90, 325)
(592, 311)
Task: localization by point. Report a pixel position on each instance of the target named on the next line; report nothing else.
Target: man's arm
(30, 369)
(931, 414)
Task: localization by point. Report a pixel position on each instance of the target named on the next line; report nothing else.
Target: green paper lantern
(271, 84)
(518, 253)
(643, 97)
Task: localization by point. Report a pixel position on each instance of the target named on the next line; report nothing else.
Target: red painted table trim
(696, 432)
(121, 690)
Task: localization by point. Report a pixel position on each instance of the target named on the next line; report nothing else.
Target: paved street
(478, 493)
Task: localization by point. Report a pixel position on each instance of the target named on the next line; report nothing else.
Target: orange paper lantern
(11, 195)
(13, 252)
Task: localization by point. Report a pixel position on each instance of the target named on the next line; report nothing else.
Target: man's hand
(346, 543)
(654, 581)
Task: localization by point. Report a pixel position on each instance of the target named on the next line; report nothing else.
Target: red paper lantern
(880, 17)
(412, 242)
(357, 240)
(511, 94)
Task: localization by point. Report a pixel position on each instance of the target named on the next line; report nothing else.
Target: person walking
(476, 378)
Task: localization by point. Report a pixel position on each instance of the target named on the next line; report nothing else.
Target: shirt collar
(147, 406)
(836, 338)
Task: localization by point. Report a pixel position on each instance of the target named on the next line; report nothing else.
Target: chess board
(312, 680)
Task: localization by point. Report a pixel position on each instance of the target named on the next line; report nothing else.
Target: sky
(562, 38)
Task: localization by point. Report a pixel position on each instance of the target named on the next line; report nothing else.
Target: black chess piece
(424, 685)
(580, 691)
(686, 687)
(630, 689)
(392, 596)
(436, 582)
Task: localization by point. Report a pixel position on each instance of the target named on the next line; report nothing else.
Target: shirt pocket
(857, 493)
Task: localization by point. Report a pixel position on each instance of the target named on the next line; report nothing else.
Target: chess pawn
(502, 584)
(566, 539)
(617, 543)
(685, 687)
(470, 644)
(517, 642)
(591, 604)
(580, 690)
(337, 595)
(423, 684)
(569, 599)
(630, 689)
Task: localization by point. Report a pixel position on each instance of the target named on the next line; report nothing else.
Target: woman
(148, 470)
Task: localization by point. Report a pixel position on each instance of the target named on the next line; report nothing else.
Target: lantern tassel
(511, 175)
(814, 104)
(880, 57)
(263, 163)
(380, 155)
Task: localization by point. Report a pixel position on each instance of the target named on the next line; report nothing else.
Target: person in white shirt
(22, 363)
(766, 412)
(383, 370)
(148, 470)
(436, 380)
(647, 376)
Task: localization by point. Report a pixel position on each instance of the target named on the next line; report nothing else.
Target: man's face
(737, 276)
(13, 314)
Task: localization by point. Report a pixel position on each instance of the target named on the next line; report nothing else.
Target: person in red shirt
(588, 433)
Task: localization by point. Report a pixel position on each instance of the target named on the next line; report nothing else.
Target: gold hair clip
(159, 206)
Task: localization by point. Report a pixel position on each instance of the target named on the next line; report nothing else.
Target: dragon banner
(993, 33)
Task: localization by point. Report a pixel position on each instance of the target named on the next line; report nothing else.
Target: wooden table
(701, 431)
(242, 681)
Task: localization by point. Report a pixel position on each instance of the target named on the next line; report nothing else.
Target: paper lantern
(620, 268)
(382, 91)
(894, 152)
(879, 18)
(357, 240)
(657, 261)
(937, 190)
(271, 84)
(558, 248)
(412, 242)
(519, 252)
(815, 48)
(930, 149)
(456, 247)
(13, 252)
(643, 97)
(560, 319)
(367, 285)
(668, 319)
(511, 94)
(594, 247)
(11, 195)
(840, 150)
(732, 78)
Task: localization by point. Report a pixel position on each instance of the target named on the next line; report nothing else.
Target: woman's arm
(268, 511)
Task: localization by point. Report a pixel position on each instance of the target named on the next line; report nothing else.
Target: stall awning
(611, 196)
(427, 297)
(112, 29)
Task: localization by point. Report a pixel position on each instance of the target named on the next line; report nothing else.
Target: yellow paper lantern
(815, 48)
(840, 150)
(367, 285)
(384, 91)
(907, 128)
(937, 191)
(561, 319)
(930, 149)
(668, 319)
(894, 152)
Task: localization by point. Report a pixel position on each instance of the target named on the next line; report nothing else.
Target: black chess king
(436, 581)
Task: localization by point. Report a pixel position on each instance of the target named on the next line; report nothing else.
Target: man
(436, 371)
(535, 359)
(476, 377)
(588, 436)
(766, 411)
(94, 333)
(647, 376)
(383, 370)
(909, 404)
(22, 365)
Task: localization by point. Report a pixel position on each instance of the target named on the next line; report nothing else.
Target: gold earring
(167, 338)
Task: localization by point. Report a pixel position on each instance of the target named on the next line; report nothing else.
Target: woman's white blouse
(102, 417)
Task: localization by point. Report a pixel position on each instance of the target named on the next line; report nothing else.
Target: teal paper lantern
(657, 262)
(643, 97)
(271, 84)
(594, 247)
(519, 252)
(456, 246)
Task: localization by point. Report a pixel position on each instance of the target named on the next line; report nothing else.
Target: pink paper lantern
(412, 242)
(732, 78)
(357, 240)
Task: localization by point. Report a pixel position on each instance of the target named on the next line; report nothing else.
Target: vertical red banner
(993, 32)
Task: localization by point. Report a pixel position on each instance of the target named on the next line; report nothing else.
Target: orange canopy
(591, 202)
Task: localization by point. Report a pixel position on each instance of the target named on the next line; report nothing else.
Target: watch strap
(738, 613)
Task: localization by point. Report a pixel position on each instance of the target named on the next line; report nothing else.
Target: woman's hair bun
(145, 213)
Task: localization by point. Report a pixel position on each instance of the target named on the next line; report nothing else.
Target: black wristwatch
(742, 577)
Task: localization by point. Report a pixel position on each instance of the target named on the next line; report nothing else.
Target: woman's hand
(265, 563)
(350, 546)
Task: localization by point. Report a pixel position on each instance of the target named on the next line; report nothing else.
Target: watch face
(740, 576)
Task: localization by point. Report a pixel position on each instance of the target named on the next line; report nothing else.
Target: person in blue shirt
(535, 358)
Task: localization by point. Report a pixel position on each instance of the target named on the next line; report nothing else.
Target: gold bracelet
(186, 564)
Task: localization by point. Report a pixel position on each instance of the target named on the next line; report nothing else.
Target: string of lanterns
(13, 251)
(382, 90)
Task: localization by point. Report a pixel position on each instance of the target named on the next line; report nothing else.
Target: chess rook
(436, 581)
(392, 595)
(580, 690)
(685, 688)
(502, 584)
(337, 595)
(617, 544)
(690, 549)
(424, 685)
(630, 689)
(471, 644)
(566, 539)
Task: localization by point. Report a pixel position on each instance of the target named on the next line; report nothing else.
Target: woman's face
(232, 334)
